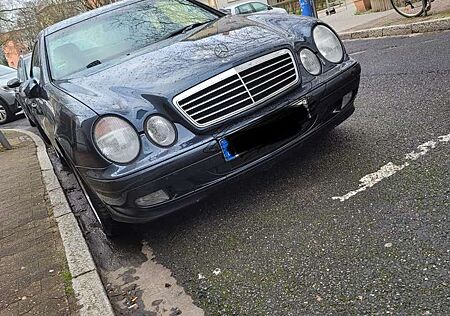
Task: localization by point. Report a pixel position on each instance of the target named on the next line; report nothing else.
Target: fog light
(152, 199)
(347, 98)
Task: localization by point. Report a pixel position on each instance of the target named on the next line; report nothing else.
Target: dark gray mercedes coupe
(154, 103)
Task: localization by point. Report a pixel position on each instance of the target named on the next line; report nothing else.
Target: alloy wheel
(3, 114)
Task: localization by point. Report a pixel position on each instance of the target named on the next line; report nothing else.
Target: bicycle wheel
(409, 8)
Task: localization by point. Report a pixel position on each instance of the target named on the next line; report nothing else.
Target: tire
(110, 227)
(409, 8)
(5, 114)
(32, 124)
(43, 136)
(62, 158)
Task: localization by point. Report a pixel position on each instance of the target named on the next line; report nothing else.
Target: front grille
(238, 89)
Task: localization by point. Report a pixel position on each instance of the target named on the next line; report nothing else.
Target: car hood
(171, 66)
(4, 79)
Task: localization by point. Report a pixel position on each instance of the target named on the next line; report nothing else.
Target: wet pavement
(277, 243)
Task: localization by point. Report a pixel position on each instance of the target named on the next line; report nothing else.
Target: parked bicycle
(412, 8)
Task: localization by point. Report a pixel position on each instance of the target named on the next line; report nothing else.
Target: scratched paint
(390, 168)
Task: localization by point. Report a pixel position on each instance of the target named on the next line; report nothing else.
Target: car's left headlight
(328, 44)
(310, 62)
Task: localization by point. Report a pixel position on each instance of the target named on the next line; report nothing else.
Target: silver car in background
(9, 108)
(252, 7)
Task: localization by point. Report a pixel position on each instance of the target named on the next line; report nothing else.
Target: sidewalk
(346, 20)
(34, 278)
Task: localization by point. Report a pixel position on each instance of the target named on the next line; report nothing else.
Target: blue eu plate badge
(227, 154)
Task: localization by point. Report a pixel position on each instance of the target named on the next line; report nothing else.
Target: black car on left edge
(9, 108)
(155, 103)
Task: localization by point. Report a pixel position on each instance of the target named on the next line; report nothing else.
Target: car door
(41, 109)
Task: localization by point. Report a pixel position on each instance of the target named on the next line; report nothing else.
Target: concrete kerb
(89, 291)
(401, 29)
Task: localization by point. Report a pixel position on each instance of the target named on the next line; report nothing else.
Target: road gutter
(436, 25)
(87, 285)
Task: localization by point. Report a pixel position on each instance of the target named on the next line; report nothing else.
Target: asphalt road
(279, 243)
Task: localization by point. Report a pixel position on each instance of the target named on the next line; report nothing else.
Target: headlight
(328, 44)
(160, 131)
(310, 61)
(116, 139)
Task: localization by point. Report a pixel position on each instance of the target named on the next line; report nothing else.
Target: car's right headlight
(116, 139)
(160, 130)
(328, 44)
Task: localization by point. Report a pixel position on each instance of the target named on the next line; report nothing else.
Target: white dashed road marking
(357, 53)
(390, 168)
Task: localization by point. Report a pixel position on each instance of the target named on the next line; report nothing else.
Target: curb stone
(88, 288)
(401, 29)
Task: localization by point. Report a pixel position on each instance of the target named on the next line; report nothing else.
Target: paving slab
(32, 261)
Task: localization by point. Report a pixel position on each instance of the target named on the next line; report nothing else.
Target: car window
(36, 63)
(118, 33)
(4, 70)
(258, 6)
(244, 9)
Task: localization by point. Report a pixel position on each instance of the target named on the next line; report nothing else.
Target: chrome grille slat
(221, 102)
(210, 100)
(221, 110)
(272, 86)
(268, 66)
(202, 96)
(264, 82)
(238, 89)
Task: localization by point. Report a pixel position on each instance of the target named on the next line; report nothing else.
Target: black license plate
(280, 127)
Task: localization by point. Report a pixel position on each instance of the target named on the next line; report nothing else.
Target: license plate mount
(284, 125)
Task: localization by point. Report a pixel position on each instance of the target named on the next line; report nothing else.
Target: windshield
(6, 70)
(118, 33)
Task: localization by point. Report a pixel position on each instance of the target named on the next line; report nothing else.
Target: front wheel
(409, 8)
(110, 227)
(32, 123)
(5, 114)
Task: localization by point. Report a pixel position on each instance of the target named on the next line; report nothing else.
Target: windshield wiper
(186, 28)
(93, 63)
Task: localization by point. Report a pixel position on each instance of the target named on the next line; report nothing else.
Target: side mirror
(269, 7)
(13, 83)
(32, 89)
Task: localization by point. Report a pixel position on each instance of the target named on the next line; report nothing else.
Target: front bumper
(189, 177)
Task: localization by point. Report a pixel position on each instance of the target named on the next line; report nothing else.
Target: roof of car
(86, 15)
